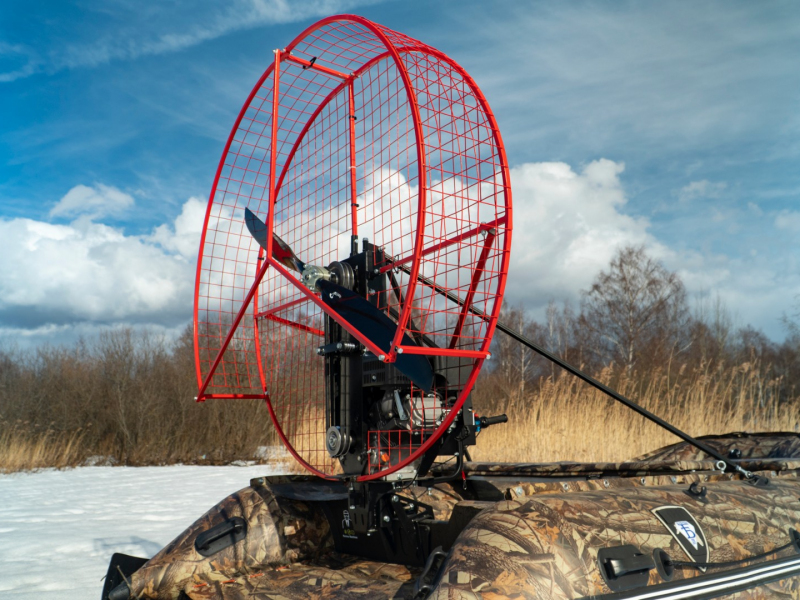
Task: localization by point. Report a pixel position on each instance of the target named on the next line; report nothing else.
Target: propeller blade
(357, 311)
(378, 328)
(280, 249)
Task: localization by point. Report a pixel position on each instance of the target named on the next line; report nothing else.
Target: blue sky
(671, 124)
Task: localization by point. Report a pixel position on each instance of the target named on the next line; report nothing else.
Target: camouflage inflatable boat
(351, 274)
(666, 526)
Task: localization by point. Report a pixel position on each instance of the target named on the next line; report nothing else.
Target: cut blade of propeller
(281, 251)
(359, 312)
(378, 328)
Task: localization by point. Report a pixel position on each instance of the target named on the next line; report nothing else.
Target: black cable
(727, 466)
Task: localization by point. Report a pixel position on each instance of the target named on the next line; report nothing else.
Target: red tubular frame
(476, 277)
(353, 187)
(435, 235)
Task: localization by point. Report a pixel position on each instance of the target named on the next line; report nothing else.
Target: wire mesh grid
(357, 105)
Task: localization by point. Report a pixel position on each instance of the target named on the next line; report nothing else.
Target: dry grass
(565, 419)
(129, 399)
(20, 451)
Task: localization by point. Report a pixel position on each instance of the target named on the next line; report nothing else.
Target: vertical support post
(263, 269)
(353, 191)
(273, 151)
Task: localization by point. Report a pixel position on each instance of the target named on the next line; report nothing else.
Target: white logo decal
(688, 531)
(347, 526)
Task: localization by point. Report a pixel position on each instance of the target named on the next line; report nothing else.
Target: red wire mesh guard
(354, 130)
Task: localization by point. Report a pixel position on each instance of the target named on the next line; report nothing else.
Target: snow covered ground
(58, 529)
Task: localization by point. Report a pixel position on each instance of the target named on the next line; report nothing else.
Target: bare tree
(636, 311)
(514, 361)
(712, 329)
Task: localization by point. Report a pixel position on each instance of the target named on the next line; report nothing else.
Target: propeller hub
(312, 274)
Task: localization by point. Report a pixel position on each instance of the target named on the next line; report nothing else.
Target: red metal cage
(354, 130)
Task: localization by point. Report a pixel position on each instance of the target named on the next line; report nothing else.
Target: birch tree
(636, 311)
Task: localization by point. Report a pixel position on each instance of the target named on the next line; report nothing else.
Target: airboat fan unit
(351, 275)
(355, 250)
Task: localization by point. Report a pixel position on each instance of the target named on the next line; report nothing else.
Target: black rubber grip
(486, 421)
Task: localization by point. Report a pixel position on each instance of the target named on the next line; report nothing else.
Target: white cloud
(26, 63)
(183, 236)
(701, 189)
(788, 220)
(55, 276)
(567, 226)
(58, 279)
(97, 201)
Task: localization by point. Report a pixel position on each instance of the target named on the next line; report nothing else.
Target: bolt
(371, 292)
(643, 480)
(430, 491)
(395, 499)
(411, 506)
(399, 349)
(376, 270)
(381, 357)
(386, 518)
(352, 507)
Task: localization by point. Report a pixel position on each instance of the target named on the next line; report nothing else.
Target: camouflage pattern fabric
(540, 542)
(546, 547)
(336, 576)
(751, 445)
(644, 468)
(277, 534)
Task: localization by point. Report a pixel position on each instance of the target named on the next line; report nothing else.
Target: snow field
(58, 529)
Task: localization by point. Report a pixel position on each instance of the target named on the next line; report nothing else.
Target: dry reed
(565, 419)
(128, 401)
(19, 451)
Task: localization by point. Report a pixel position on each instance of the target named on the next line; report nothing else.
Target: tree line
(636, 321)
(126, 396)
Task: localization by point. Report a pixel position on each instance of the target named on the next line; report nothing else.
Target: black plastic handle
(619, 567)
(486, 421)
(221, 536)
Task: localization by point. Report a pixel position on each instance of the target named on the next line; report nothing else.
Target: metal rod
(351, 118)
(307, 64)
(476, 277)
(725, 466)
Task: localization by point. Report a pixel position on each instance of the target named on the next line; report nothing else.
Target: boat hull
(507, 531)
